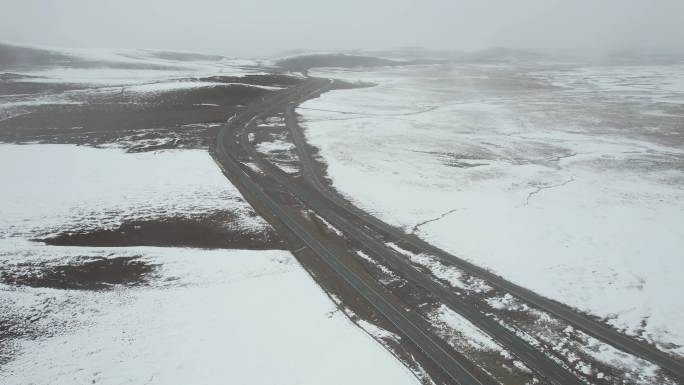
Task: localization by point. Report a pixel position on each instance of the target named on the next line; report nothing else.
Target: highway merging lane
(403, 320)
(535, 359)
(579, 320)
(329, 205)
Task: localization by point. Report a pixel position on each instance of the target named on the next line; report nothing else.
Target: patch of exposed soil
(78, 273)
(126, 111)
(181, 118)
(210, 233)
(92, 274)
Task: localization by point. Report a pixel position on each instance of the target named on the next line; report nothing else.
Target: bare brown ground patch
(136, 121)
(210, 233)
(88, 273)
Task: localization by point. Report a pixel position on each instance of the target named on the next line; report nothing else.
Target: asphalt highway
(536, 360)
(233, 149)
(403, 320)
(573, 317)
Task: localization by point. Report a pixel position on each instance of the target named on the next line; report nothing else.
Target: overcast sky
(263, 27)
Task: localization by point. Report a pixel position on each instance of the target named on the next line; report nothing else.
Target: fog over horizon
(270, 27)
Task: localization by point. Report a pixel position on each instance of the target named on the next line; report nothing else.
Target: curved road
(356, 224)
(579, 320)
(402, 319)
(536, 360)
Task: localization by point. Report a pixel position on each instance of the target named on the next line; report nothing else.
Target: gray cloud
(262, 27)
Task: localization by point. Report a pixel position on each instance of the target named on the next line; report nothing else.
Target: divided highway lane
(579, 320)
(399, 317)
(536, 360)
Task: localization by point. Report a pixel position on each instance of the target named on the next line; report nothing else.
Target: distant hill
(18, 56)
(404, 56)
(11, 55)
(183, 56)
(638, 57)
(306, 62)
(499, 54)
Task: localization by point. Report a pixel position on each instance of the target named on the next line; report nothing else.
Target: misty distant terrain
(433, 193)
(265, 27)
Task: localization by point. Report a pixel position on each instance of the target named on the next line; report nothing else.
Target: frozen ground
(566, 179)
(117, 67)
(199, 316)
(210, 317)
(51, 188)
(82, 74)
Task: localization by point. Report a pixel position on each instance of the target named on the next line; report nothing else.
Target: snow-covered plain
(212, 317)
(566, 179)
(51, 188)
(204, 316)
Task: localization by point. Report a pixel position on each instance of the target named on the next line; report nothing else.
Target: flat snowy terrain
(54, 187)
(566, 179)
(198, 316)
